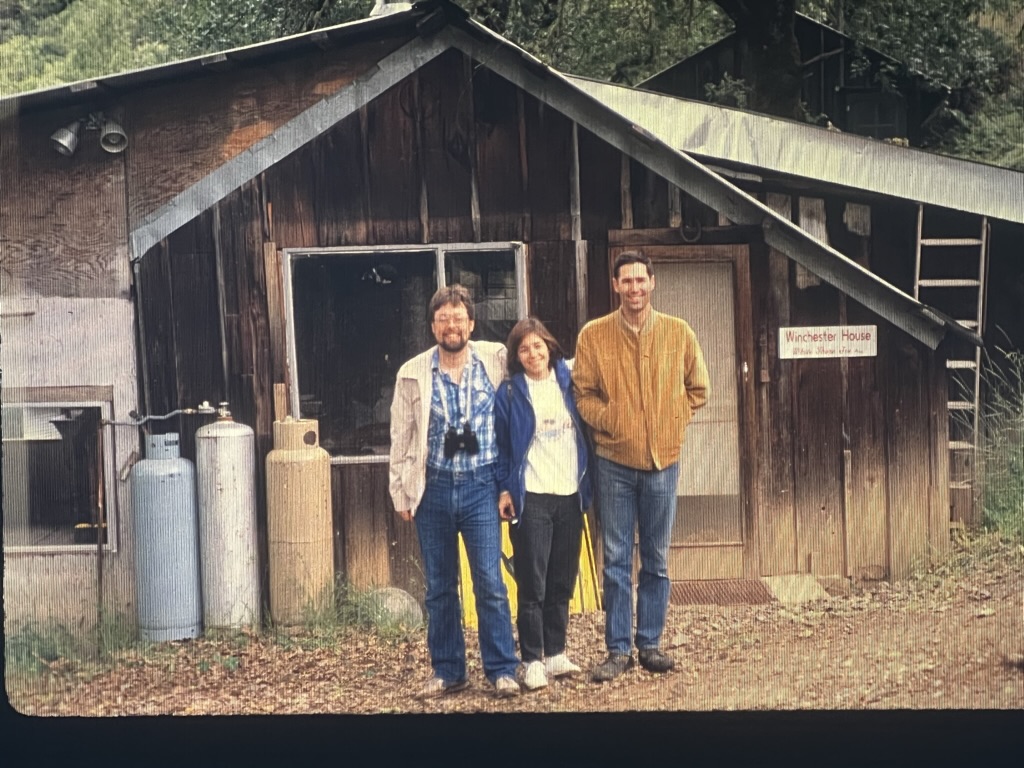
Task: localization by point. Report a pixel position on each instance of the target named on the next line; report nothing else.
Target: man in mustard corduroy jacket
(639, 376)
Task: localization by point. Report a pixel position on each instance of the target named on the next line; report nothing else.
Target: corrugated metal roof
(800, 149)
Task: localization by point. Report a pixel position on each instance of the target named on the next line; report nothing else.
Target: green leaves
(87, 38)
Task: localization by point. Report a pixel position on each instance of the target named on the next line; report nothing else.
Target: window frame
(110, 504)
(290, 255)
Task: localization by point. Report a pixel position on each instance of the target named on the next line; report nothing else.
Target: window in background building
(357, 314)
(56, 474)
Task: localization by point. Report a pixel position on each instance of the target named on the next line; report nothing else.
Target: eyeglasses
(457, 320)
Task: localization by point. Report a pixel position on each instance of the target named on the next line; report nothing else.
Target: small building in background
(854, 87)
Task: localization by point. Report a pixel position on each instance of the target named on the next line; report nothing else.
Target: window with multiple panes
(57, 475)
(357, 314)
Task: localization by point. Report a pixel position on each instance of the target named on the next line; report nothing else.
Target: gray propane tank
(166, 543)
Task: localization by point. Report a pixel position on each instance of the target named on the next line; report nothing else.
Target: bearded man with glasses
(442, 475)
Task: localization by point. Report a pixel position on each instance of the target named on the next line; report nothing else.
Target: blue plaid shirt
(475, 381)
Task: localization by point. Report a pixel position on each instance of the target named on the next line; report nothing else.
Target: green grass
(39, 646)
(327, 620)
(1001, 455)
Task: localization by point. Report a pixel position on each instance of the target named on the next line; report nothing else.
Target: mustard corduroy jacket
(639, 390)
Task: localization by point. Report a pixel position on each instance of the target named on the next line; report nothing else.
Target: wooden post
(675, 206)
(281, 401)
(275, 309)
(847, 507)
(421, 160)
(524, 167)
(626, 193)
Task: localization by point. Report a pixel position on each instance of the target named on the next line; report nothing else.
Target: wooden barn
(281, 215)
(854, 86)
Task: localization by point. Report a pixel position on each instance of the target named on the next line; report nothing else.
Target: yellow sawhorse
(586, 597)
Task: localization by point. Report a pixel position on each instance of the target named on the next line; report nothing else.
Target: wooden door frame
(667, 246)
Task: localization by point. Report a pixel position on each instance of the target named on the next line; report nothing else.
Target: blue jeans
(630, 499)
(465, 502)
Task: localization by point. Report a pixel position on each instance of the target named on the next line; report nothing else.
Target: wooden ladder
(935, 256)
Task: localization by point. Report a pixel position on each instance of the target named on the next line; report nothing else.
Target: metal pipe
(136, 420)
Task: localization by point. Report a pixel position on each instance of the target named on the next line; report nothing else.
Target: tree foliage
(194, 27)
(45, 42)
(623, 41)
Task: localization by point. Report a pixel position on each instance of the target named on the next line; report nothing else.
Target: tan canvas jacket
(410, 418)
(638, 391)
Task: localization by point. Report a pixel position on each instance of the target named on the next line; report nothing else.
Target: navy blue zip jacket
(514, 425)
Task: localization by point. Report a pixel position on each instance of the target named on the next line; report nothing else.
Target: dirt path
(952, 640)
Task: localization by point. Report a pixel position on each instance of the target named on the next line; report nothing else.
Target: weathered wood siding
(437, 158)
(187, 129)
(875, 510)
(63, 230)
(850, 462)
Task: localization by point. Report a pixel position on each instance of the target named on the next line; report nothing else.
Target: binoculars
(455, 441)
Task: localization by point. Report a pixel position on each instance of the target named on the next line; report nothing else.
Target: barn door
(708, 286)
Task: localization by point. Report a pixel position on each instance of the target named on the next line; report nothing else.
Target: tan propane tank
(299, 526)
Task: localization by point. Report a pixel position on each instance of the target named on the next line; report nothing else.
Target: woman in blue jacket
(545, 486)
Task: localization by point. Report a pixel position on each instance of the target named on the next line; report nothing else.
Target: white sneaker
(505, 687)
(559, 665)
(534, 676)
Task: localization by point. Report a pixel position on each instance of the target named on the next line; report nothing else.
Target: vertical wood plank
(524, 163)
(864, 431)
(574, 185)
(391, 155)
(275, 310)
(939, 517)
(817, 411)
(650, 197)
(675, 206)
(158, 323)
(548, 143)
(907, 412)
(748, 447)
(600, 177)
(499, 157)
(404, 560)
(778, 536)
(336, 188)
(364, 508)
(447, 148)
(290, 194)
(626, 193)
(197, 318)
(553, 290)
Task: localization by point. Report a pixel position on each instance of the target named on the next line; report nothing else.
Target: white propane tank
(226, 469)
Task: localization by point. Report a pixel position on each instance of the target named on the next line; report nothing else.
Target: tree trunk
(770, 54)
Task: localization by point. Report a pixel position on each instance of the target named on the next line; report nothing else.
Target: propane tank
(166, 542)
(225, 461)
(299, 525)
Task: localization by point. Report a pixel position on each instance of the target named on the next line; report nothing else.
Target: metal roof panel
(801, 149)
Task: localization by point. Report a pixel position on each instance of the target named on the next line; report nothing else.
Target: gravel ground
(950, 639)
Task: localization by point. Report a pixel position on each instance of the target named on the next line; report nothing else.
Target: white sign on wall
(828, 341)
